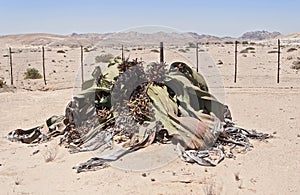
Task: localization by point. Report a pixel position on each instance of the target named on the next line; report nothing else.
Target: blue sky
(215, 17)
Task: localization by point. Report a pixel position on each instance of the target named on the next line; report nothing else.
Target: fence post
(11, 69)
(122, 53)
(81, 62)
(235, 61)
(278, 68)
(161, 52)
(43, 57)
(197, 59)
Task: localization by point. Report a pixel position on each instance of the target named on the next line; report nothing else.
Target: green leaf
(192, 98)
(189, 130)
(195, 78)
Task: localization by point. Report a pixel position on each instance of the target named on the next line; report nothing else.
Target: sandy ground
(256, 102)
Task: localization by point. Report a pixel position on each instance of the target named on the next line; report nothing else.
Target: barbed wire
(264, 53)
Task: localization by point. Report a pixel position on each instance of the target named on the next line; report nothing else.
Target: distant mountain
(169, 38)
(260, 35)
(291, 36)
(131, 38)
(204, 38)
(51, 40)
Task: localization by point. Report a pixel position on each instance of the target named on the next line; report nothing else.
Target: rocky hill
(259, 35)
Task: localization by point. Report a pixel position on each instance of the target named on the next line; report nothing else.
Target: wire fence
(256, 64)
(246, 64)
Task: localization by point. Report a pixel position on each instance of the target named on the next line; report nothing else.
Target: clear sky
(215, 17)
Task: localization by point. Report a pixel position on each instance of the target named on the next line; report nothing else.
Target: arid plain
(256, 101)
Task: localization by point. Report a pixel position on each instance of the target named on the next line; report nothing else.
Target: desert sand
(256, 102)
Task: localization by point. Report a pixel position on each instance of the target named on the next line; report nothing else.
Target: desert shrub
(291, 50)
(244, 51)
(296, 65)
(272, 51)
(2, 82)
(105, 58)
(220, 62)
(139, 48)
(191, 45)
(245, 43)
(61, 51)
(32, 73)
(182, 50)
(250, 48)
(154, 51)
(228, 42)
(18, 181)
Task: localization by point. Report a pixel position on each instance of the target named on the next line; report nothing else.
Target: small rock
(144, 174)
(275, 132)
(152, 179)
(298, 135)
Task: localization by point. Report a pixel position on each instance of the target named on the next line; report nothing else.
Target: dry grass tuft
(210, 189)
(50, 154)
